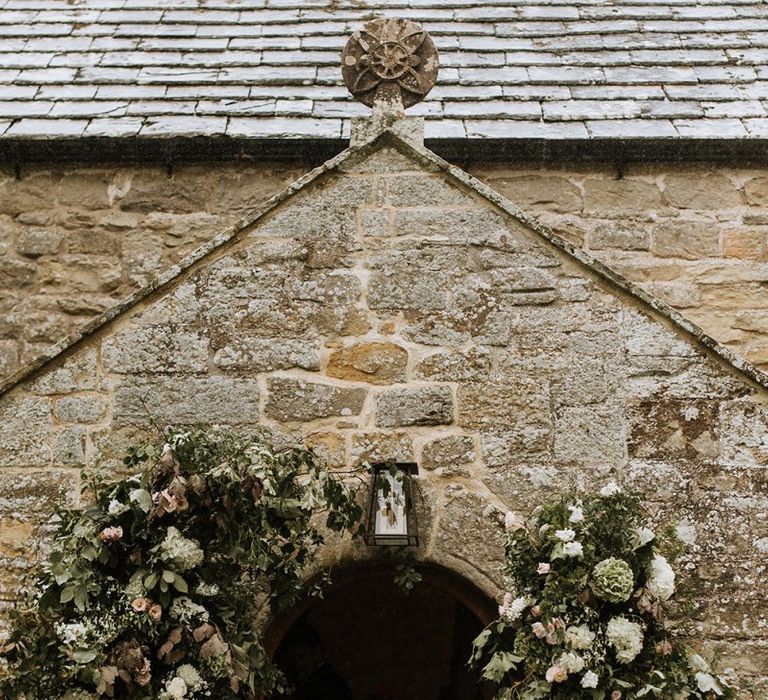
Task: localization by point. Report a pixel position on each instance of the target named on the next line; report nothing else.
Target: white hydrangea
(589, 680)
(610, 489)
(571, 662)
(207, 590)
(565, 535)
(577, 514)
(71, 633)
(626, 637)
(579, 637)
(191, 677)
(573, 549)
(512, 610)
(185, 610)
(116, 508)
(184, 554)
(642, 536)
(661, 578)
(136, 588)
(176, 688)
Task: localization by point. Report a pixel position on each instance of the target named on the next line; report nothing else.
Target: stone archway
(381, 643)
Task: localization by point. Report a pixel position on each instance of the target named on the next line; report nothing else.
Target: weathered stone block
(84, 273)
(540, 191)
(375, 222)
(618, 235)
(745, 244)
(473, 364)
(744, 433)
(376, 363)
(701, 191)
(607, 196)
(27, 427)
(68, 446)
(156, 191)
(372, 447)
(686, 239)
(328, 446)
(77, 372)
(666, 429)
(155, 349)
(428, 405)
(86, 189)
(451, 454)
(421, 190)
(590, 435)
(34, 242)
(299, 400)
(81, 409)
(267, 355)
(505, 401)
(756, 191)
(185, 400)
(9, 357)
(15, 274)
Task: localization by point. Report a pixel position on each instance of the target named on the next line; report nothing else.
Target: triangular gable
(426, 160)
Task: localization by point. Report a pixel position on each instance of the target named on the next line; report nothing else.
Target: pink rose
(156, 612)
(539, 630)
(144, 675)
(111, 534)
(663, 648)
(543, 568)
(616, 695)
(140, 605)
(556, 674)
(536, 610)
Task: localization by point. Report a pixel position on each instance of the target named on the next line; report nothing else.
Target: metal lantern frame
(409, 538)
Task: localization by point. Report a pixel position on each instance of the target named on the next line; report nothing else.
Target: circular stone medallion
(389, 54)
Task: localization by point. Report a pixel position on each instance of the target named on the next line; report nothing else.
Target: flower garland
(151, 590)
(588, 618)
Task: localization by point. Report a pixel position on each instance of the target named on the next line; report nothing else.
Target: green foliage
(594, 611)
(157, 582)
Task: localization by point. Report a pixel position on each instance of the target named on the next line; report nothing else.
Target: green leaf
(67, 594)
(142, 498)
(84, 656)
(180, 584)
(151, 581)
(500, 664)
(168, 576)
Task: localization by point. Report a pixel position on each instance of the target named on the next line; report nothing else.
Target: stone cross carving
(390, 64)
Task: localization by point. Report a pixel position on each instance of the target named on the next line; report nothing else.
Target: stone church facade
(389, 306)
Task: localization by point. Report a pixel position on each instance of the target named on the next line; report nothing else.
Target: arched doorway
(367, 639)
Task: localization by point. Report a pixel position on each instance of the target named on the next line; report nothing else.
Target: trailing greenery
(588, 613)
(150, 591)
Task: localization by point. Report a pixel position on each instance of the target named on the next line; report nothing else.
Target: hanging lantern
(391, 512)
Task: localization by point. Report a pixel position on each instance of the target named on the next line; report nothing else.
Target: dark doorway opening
(366, 639)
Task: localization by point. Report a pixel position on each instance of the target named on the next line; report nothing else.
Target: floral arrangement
(589, 615)
(152, 589)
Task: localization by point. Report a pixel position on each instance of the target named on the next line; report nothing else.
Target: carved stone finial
(390, 64)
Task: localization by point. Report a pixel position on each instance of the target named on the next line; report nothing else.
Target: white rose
(706, 683)
(176, 688)
(589, 680)
(573, 549)
(577, 514)
(573, 663)
(643, 535)
(610, 489)
(565, 535)
(661, 578)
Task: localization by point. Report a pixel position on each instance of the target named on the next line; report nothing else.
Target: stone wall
(385, 312)
(74, 240)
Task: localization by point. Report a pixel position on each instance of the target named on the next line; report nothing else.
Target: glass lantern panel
(391, 519)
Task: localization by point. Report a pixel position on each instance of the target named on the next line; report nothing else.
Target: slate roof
(552, 69)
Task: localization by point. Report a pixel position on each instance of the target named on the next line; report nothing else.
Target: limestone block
(461, 226)
(744, 433)
(186, 400)
(329, 447)
(76, 372)
(668, 429)
(154, 190)
(422, 190)
(298, 400)
(540, 191)
(29, 194)
(456, 365)
(81, 409)
(15, 274)
(451, 454)
(381, 446)
(84, 273)
(9, 357)
(375, 363)
(27, 427)
(505, 401)
(267, 355)
(745, 244)
(427, 405)
(618, 235)
(610, 196)
(590, 434)
(685, 239)
(375, 222)
(68, 446)
(583, 381)
(701, 191)
(756, 191)
(136, 350)
(84, 188)
(33, 242)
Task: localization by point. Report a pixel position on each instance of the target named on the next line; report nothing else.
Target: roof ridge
(419, 152)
